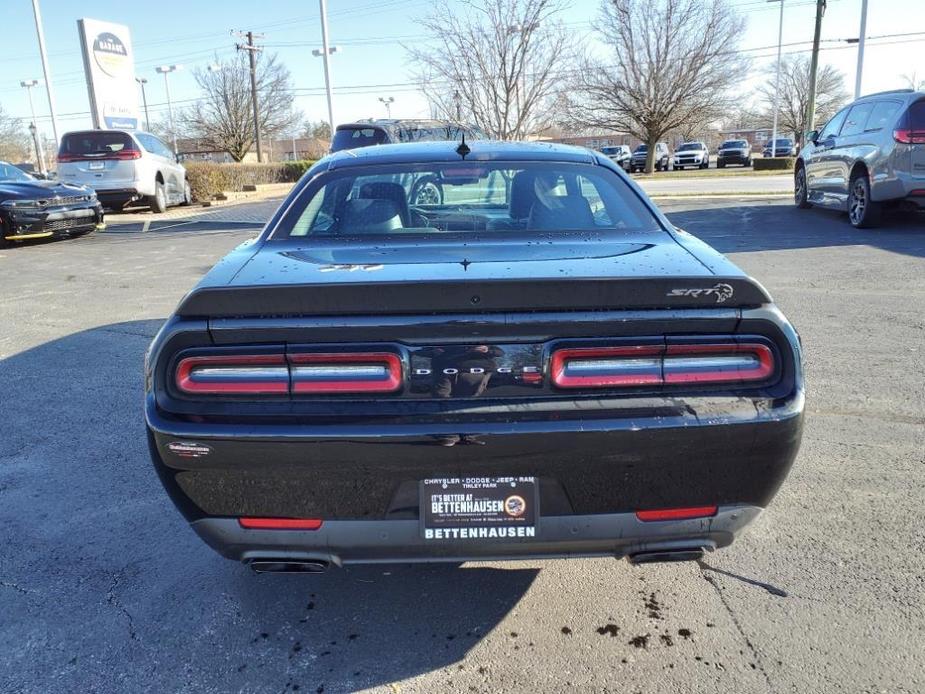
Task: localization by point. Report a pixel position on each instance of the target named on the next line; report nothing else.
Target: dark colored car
(541, 366)
(783, 147)
(35, 209)
(734, 152)
(662, 157)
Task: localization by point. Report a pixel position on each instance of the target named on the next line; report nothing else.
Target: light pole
(39, 154)
(166, 70)
(144, 99)
(325, 52)
(40, 32)
(861, 36)
(38, 147)
(388, 105)
(780, 40)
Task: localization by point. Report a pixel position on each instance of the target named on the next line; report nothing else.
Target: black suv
(384, 132)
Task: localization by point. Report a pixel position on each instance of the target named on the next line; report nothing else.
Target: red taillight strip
(674, 364)
(763, 370)
(666, 514)
(391, 381)
(909, 137)
(187, 383)
(561, 357)
(281, 523)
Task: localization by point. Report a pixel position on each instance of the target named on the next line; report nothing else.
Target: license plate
(479, 508)
(97, 165)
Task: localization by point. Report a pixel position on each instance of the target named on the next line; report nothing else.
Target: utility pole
(252, 51)
(780, 39)
(51, 99)
(857, 79)
(323, 6)
(813, 68)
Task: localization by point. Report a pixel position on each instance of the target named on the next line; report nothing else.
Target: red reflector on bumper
(666, 514)
(281, 523)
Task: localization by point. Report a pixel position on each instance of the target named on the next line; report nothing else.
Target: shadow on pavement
(739, 226)
(104, 587)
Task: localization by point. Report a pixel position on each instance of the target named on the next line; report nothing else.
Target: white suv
(691, 154)
(123, 167)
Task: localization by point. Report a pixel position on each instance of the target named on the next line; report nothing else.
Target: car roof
(479, 150)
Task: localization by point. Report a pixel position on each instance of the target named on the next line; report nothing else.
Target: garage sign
(109, 66)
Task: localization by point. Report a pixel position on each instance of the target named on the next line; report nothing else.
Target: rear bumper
(118, 196)
(364, 541)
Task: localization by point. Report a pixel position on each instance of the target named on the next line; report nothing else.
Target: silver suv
(870, 154)
(123, 167)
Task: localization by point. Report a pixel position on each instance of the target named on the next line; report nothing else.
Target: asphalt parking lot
(103, 588)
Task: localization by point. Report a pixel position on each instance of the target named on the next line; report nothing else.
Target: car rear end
(904, 172)
(318, 401)
(108, 161)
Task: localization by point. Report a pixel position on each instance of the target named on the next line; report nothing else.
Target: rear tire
(720, 165)
(800, 192)
(158, 201)
(863, 213)
(187, 193)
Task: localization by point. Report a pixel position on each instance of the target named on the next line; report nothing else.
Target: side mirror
(813, 136)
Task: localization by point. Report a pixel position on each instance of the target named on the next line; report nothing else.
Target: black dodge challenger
(540, 365)
(36, 209)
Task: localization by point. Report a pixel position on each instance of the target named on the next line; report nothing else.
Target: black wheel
(748, 162)
(863, 212)
(705, 165)
(674, 168)
(720, 165)
(158, 201)
(800, 193)
(427, 191)
(187, 193)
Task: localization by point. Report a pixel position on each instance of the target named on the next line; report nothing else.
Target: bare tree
(15, 143)
(493, 62)
(794, 94)
(223, 117)
(669, 64)
(913, 82)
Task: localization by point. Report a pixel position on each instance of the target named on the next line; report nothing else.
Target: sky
(372, 36)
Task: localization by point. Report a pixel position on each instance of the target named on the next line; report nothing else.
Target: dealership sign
(110, 69)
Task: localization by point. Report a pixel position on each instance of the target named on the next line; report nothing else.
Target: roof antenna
(463, 148)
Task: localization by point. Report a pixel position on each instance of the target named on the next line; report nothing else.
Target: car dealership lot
(103, 587)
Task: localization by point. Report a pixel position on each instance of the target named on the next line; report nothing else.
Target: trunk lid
(456, 274)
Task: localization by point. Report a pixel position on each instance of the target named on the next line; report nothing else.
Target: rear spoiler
(384, 298)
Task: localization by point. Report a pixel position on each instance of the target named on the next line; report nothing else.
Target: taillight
(302, 373)
(233, 374)
(667, 514)
(281, 523)
(371, 372)
(909, 137)
(658, 365)
(598, 367)
(121, 155)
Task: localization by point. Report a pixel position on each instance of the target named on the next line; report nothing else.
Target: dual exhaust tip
(320, 566)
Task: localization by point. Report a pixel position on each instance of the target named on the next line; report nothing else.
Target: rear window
(469, 197)
(96, 142)
(915, 116)
(350, 138)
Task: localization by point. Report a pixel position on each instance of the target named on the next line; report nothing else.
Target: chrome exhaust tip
(287, 566)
